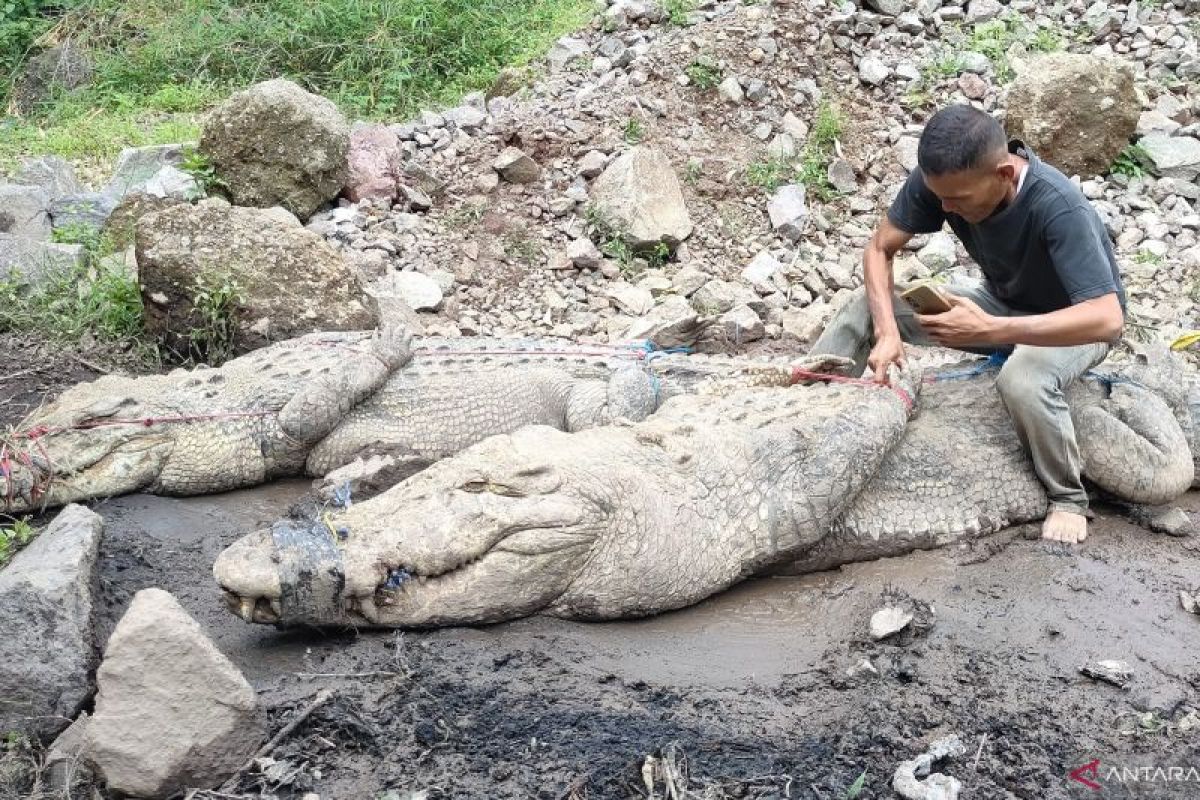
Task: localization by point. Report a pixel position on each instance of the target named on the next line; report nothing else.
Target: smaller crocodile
(195, 432)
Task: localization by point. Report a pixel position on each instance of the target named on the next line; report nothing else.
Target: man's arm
(1096, 320)
(879, 283)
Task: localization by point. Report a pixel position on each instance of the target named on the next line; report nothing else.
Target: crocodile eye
(479, 487)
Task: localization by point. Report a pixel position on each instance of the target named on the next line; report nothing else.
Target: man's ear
(1006, 170)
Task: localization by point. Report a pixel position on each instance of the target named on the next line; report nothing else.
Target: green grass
(13, 536)
(856, 788)
(1148, 257)
(812, 166)
(678, 10)
(634, 130)
(158, 59)
(612, 241)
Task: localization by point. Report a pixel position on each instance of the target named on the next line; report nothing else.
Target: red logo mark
(1092, 767)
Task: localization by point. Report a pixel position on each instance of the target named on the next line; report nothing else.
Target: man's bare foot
(1065, 526)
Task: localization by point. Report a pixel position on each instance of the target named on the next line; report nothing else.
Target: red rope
(799, 374)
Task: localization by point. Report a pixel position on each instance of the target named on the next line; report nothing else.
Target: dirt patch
(744, 695)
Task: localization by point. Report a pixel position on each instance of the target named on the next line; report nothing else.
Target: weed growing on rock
(215, 301)
(202, 171)
(1129, 162)
(13, 536)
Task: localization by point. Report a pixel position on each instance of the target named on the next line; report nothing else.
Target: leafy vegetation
(634, 131)
(703, 74)
(678, 10)
(197, 165)
(158, 62)
(1129, 162)
(613, 241)
(215, 301)
(812, 166)
(13, 536)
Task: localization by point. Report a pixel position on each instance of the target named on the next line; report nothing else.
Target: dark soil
(745, 695)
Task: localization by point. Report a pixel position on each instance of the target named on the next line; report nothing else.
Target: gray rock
(731, 90)
(983, 10)
(466, 117)
(33, 262)
(805, 324)
(1077, 112)
(172, 712)
(716, 297)
(583, 253)
(137, 166)
(939, 253)
(1151, 122)
(789, 211)
(640, 195)
(633, 300)
(52, 174)
(1175, 157)
(794, 126)
(741, 325)
(89, 209)
(687, 280)
(841, 175)
(671, 323)
(910, 22)
(419, 291)
(756, 90)
(889, 7)
(171, 183)
(62, 66)
(761, 269)
(566, 50)
(782, 147)
(47, 600)
(872, 70)
(971, 61)
(905, 151)
(515, 166)
(275, 144)
(972, 86)
(592, 164)
(24, 211)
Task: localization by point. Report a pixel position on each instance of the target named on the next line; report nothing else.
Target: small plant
(78, 233)
(13, 536)
(678, 11)
(818, 151)
(634, 130)
(1148, 257)
(215, 301)
(691, 173)
(703, 74)
(613, 242)
(1129, 162)
(100, 300)
(520, 248)
(768, 173)
(203, 172)
(466, 215)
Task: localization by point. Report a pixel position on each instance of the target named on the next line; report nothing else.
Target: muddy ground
(748, 691)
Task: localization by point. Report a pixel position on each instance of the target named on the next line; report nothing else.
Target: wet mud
(758, 692)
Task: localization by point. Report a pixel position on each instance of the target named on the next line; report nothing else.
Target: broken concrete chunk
(47, 598)
(172, 712)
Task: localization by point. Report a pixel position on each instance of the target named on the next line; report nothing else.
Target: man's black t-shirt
(1047, 250)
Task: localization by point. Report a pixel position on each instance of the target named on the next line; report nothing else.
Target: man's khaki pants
(1031, 384)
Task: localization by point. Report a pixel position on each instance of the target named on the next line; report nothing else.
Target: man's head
(963, 157)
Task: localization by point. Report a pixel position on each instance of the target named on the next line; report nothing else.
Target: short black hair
(959, 138)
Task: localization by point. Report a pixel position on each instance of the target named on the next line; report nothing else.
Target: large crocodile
(317, 402)
(636, 519)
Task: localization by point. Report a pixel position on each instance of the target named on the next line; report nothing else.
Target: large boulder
(31, 262)
(1077, 112)
(172, 711)
(275, 144)
(288, 280)
(138, 166)
(639, 195)
(62, 66)
(52, 174)
(47, 599)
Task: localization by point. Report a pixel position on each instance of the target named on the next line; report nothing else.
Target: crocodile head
(491, 534)
(79, 447)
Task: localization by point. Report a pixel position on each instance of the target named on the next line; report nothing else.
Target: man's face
(972, 194)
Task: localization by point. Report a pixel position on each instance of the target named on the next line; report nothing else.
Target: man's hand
(888, 350)
(963, 325)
